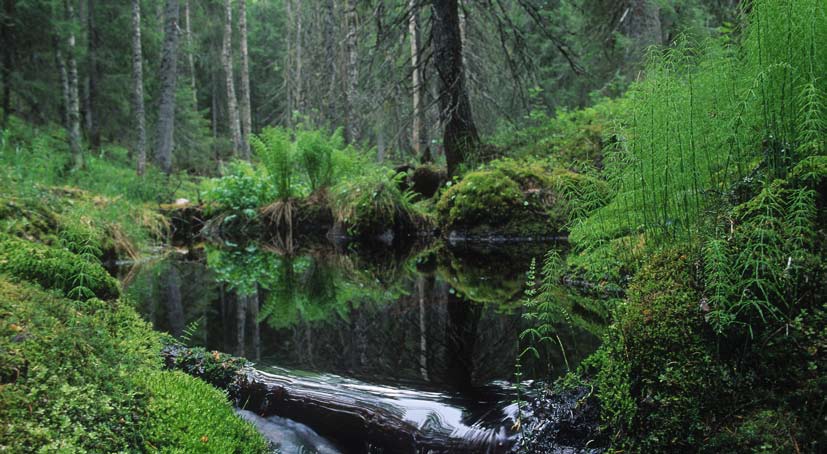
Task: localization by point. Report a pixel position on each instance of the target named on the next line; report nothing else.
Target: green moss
(86, 377)
(482, 197)
(27, 219)
(56, 268)
(656, 375)
(519, 198)
(188, 415)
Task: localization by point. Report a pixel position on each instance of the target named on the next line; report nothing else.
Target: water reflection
(440, 318)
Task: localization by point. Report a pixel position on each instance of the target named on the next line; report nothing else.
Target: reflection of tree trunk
(423, 285)
(241, 322)
(175, 310)
(254, 308)
(463, 318)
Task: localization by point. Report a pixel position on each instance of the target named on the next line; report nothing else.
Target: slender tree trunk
(73, 98)
(227, 62)
(246, 115)
(191, 54)
(7, 37)
(299, 81)
(351, 126)
(419, 136)
(330, 59)
(94, 74)
(288, 67)
(64, 84)
(460, 136)
(138, 88)
(169, 76)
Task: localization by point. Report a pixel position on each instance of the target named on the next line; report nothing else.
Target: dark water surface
(441, 321)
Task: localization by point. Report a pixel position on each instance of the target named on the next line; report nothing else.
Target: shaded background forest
(362, 66)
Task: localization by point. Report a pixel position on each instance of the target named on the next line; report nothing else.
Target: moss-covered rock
(519, 198)
(427, 179)
(56, 268)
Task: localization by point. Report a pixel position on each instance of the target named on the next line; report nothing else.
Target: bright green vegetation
(79, 370)
(717, 216)
(85, 376)
(302, 176)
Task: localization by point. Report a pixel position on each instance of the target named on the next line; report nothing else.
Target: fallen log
(359, 416)
(367, 417)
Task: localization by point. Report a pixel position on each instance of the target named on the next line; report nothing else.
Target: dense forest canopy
(218, 71)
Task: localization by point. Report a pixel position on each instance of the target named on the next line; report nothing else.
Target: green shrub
(78, 276)
(244, 189)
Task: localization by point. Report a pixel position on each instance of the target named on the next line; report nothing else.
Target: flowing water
(430, 333)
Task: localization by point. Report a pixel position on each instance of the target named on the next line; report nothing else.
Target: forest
(413, 226)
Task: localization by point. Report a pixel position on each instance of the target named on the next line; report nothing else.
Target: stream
(422, 339)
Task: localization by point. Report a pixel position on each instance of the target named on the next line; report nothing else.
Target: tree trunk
(460, 136)
(169, 76)
(94, 73)
(299, 96)
(191, 54)
(641, 23)
(351, 127)
(63, 75)
(138, 88)
(227, 62)
(246, 116)
(330, 59)
(73, 98)
(419, 136)
(7, 37)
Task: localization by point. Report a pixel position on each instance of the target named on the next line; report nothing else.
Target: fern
(275, 150)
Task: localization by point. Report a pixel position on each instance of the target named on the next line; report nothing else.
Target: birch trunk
(190, 54)
(138, 88)
(7, 36)
(92, 113)
(330, 58)
(419, 136)
(351, 127)
(227, 62)
(169, 76)
(246, 116)
(73, 98)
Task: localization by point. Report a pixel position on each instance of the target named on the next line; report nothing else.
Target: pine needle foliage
(708, 114)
